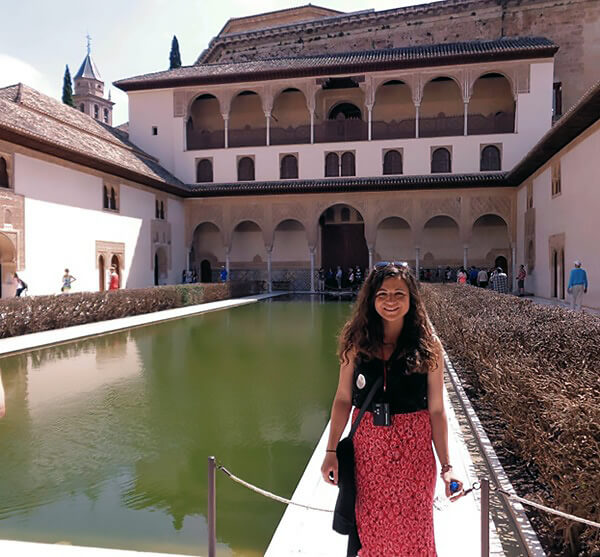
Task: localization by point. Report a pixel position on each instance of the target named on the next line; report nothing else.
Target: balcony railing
(290, 136)
(341, 130)
(441, 126)
(502, 122)
(402, 129)
(202, 139)
(248, 137)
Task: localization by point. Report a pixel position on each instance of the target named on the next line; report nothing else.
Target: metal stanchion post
(485, 517)
(212, 507)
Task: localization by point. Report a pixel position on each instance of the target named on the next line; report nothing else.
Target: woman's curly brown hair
(363, 332)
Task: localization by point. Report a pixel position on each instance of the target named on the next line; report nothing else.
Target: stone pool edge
(13, 345)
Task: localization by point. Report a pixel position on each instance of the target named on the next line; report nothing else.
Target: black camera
(381, 414)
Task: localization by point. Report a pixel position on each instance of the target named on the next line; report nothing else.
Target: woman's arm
(438, 419)
(342, 404)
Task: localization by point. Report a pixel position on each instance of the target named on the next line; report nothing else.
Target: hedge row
(534, 371)
(19, 316)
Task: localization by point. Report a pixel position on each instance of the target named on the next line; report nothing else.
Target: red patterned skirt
(395, 484)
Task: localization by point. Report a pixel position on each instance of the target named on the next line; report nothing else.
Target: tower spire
(89, 43)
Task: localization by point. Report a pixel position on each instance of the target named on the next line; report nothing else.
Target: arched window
(345, 111)
(105, 197)
(245, 169)
(96, 111)
(392, 162)
(162, 210)
(345, 214)
(440, 160)
(332, 164)
(3, 173)
(113, 199)
(490, 158)
(82, 107)
(156, 210)
(288, 167)
(348, 164)
(106, 115)
(204, 171)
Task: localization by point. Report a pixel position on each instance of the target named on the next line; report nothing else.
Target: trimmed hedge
(533, 371)
(20, 316)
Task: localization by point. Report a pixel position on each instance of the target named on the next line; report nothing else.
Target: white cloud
(13, 70)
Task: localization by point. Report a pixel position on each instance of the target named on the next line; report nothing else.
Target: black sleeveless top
(405, 392)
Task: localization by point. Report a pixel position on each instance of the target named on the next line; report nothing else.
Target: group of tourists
(494, 279)
(189, 276)
(352, 278)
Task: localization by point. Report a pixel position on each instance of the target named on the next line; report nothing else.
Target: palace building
(307, 138)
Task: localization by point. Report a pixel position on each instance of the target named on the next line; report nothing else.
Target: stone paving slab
(304, 532)
(28, 549)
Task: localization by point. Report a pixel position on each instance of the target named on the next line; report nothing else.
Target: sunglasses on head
(383, 264)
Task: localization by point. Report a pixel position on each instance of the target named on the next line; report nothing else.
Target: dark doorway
(101, 273)
(205, 271)
(502, 263)
(554, 274)
(156, 269)
(343, 239)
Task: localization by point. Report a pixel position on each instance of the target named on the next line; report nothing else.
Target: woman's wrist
(447, 467)
(330, 450)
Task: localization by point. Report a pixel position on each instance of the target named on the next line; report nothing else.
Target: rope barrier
(507, 495)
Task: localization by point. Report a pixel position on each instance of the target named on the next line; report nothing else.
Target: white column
(312, 126)
(514, 268)
(417, 121)
(466, 116)
(370, 261)
(465, 254)
(370, 121)
(227, 262)
(312, 269)
(268, 117)
(269, 278)
(226, 122)
(417, 262)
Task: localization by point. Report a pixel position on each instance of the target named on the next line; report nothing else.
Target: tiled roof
(574, 122)
(329, 64)
(29, 118)
(329, 185)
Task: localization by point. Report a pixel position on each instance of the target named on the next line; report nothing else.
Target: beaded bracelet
(446, 468)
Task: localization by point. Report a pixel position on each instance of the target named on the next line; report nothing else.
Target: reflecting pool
(105, 441)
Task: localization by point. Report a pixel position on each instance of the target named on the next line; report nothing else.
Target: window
(3, 173)
(490, 158)
(348, 164)
(105, 197)
(154, 130)
(96, 111)
(162, 210)
(557, 99)
(113, 199)
(82, 107)
(332, 165)
(345, 214)
(440, 160)
(392, 162)
(204, 171)
(288, 167)
(530, 195)
(556, 185)
(245, 169)
(156, 210)
(106, 115)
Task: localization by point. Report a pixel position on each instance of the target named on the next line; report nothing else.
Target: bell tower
(89, 90)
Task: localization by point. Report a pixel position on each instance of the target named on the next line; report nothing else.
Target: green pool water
(105, 441)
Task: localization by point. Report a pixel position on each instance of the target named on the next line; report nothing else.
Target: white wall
(64, 218)
(572, 213)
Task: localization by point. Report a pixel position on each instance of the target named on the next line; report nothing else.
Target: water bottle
(441, 502)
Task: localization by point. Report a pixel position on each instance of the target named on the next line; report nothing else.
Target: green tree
(67, 92)
(174, 56)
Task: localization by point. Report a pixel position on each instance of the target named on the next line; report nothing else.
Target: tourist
(521, 280)
(113, 283)
(184, 276)
(338, 277)
(321, 279)
(473, 275)
(578, 285)
(447, 275)
(482, 278)
(223, 274)
(20, 284)
(351, 277)
(67, 280)
(358, 276)
(500, 281)
(461, 277)
(329, 278)
(395, 467)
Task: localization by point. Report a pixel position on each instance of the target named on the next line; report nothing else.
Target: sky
(129, 37)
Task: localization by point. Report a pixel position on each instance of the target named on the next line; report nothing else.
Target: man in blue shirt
(223, 274)
(578, 285)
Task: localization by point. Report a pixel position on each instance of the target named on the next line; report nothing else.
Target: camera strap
(364, 406)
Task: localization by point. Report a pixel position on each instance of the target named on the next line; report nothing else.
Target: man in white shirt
(482, 278)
